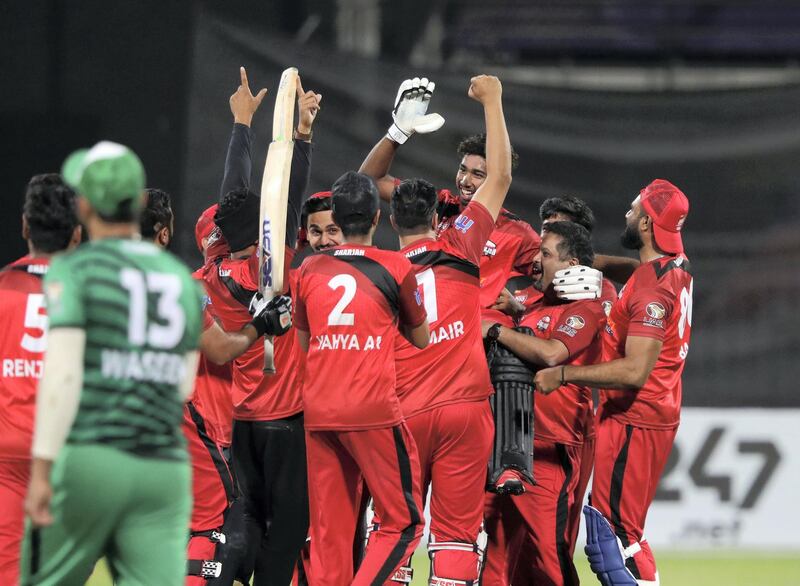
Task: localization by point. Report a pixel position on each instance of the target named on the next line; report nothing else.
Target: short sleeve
(412, 310)
(577, 327)
(649, 310)
(530, 242)
(64, 295)
(300, 317)
(208, 321)
(469, 232)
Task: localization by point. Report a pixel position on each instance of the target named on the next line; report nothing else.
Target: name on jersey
(447, 332)
(21, 368)
(349, 252)
(348, 342)
(37, 269)
(416, 251)
(155, 367)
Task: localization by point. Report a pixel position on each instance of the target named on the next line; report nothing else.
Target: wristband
(303, 136)
(394, 133)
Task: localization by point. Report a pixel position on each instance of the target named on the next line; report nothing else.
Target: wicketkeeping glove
(273, 317)
(578, 282)
(410, 106)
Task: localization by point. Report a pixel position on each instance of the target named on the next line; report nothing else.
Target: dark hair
(316, 204)
(574, 207)
(413, 204)
(576, 241)
(50, 212)
(127, 212)
(157, 213)
(355, 203)
(476, 145)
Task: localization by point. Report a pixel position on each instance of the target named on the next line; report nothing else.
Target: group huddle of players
(460, 368)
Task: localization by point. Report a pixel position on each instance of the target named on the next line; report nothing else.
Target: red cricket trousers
(337, 461)
(584, 475)
(212, 488)
(14, 475)
(454, 444)
(628, 464)
(529, 540)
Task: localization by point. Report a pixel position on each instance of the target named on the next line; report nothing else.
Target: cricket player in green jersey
(110, 475)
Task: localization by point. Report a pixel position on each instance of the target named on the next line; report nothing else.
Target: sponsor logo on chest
(490, 248)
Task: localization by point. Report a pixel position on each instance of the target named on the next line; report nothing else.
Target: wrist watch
(493, 333)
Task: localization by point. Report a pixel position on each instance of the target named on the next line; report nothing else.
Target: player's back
(141, 311)
(656, 302)
(23, 340)
(349, 299)
(452, 368)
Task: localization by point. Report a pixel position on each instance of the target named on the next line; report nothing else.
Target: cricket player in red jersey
(351, 303)
(215, 554)
(49, 225)
(268, 450)
(645, 344)
(529, 537)
(569, 209)
(443, 389)
(511, 245)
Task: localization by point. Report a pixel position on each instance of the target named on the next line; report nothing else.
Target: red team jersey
(452, 368)
(560, 416)
(23, 340)
(212, 387)
(230, 284)
(350, 299)
(655, 303)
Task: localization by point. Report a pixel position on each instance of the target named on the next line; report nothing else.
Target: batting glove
(410, 106)
(273, 317)
(578, 282)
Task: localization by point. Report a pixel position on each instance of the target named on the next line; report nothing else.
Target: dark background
(714, 106)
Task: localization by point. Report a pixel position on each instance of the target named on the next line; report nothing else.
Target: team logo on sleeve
(418, 297)
(656, 310)
(463, 223)
(490, 248)
(206, 301)
(575, 321)
(607, 307)
(571, 325)
(655, 315)
(543, 324)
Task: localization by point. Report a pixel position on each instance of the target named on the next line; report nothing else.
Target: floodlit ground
(689, 569)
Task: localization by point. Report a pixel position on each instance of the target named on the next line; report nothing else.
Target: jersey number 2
(337, 316)
(168, 308)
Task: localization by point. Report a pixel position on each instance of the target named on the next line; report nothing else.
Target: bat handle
(269, 355)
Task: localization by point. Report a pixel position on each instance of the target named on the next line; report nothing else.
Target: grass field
(690, 569)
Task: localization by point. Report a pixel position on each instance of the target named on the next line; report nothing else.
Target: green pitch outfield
(690, 569)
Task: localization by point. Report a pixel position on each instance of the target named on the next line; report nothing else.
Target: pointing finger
(300, 89)
(243, 75)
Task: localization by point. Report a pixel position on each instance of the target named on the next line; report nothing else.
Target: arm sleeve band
(59, 391)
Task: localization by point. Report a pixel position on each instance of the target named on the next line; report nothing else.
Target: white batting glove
(578, 282)
(410, 106)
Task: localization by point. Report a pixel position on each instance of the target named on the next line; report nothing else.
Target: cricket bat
(275, 198)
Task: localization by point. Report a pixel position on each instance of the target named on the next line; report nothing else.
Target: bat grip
(269, 355)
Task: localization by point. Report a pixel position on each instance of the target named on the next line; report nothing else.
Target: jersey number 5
(168, 308)
(35, 319)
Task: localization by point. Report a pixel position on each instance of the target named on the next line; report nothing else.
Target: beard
(630, 238)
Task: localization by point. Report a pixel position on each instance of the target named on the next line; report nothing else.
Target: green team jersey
(141, 310)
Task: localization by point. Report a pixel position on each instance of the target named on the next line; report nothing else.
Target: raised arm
(377, 165)
(408, 117)
(308, 104)
(238, 160)
(487, 90)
